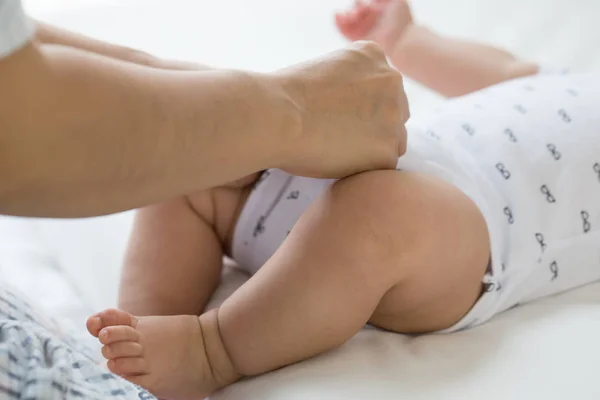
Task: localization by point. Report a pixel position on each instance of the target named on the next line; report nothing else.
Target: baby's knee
(366, 189)
(382, 197)
(405, 212)
(383, 212)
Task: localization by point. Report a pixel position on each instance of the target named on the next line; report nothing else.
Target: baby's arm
(454, 67)
(449, 66)
(173, 260)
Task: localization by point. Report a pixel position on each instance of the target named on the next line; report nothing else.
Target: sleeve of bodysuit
(16, 29)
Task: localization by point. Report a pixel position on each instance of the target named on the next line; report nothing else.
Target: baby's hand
(382, 21)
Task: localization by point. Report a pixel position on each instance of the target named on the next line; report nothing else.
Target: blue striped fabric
(38, 361)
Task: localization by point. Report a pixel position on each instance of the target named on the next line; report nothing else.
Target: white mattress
(545, 350)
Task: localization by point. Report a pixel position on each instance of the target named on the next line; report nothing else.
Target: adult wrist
(283, 115)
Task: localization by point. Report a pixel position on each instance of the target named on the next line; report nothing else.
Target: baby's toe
(94, 325)
(128, 366)
(109, 317)
(120, 333)
(113, 316)
(122, 349)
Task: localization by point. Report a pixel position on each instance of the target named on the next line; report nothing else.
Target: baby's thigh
(440, 244)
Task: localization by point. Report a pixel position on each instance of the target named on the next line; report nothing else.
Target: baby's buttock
(528, 153)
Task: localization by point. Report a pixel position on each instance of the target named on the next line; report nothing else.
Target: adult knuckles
(396, 108)
(369, 49)
(395, 78)
(405, 111)
(392, 158)
(402, 136)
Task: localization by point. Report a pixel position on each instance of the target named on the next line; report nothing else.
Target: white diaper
(527, 152)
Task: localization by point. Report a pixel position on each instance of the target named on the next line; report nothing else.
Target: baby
(496, 202)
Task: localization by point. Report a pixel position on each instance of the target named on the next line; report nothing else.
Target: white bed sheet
(545, 350)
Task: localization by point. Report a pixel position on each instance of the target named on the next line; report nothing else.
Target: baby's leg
(173, 260)
(404, 251)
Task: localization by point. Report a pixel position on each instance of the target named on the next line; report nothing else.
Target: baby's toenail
(104, 333)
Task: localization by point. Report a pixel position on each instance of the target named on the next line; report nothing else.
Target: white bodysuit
(527, 152)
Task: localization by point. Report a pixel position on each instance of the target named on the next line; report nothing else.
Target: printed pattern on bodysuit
(542, 162)
(527, 152)
(273, 208)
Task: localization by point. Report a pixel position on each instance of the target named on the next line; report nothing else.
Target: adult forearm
(88, 135)
(454, 67)
(51, 34)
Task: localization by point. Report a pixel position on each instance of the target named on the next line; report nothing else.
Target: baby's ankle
(224, 373)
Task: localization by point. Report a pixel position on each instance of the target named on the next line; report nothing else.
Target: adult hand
(353, 108)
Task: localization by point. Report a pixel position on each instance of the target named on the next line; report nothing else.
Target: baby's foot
(165, 355)
(382, 21)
